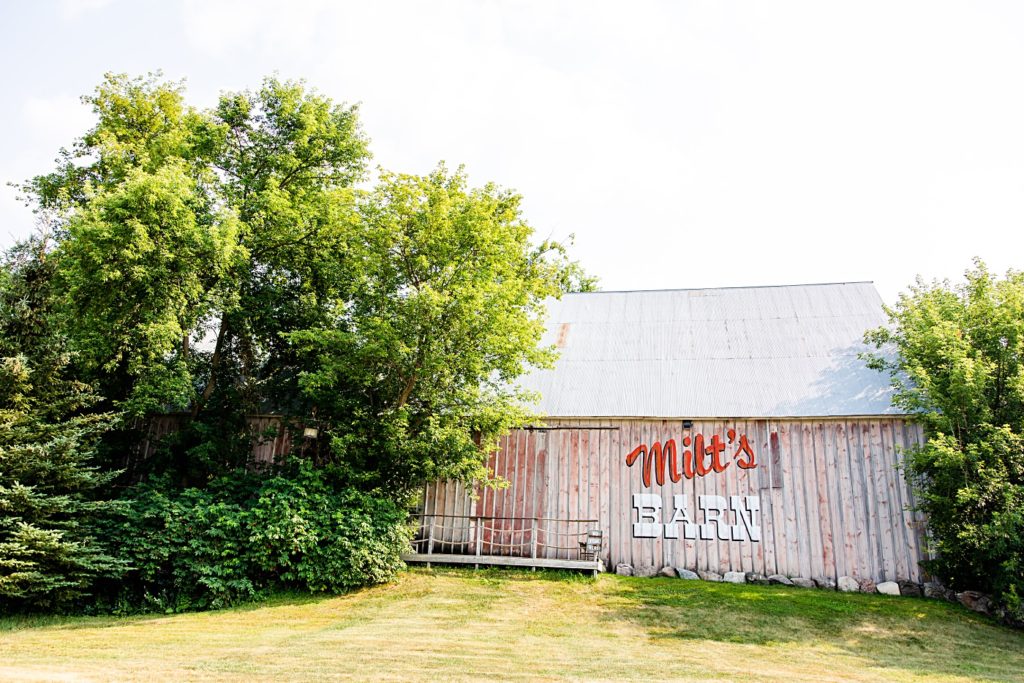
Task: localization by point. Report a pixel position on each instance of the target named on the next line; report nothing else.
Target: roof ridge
(706, 289)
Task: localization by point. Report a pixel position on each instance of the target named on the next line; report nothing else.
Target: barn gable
(784, 351)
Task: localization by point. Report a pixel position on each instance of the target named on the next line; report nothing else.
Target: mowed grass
(451, 624)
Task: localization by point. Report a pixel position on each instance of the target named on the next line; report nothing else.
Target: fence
(516, 541)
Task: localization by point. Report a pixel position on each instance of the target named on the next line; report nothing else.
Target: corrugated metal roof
(783, 351)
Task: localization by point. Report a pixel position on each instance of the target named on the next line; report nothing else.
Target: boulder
(734, 577)
(801, 582)
(645, 571)
(686, 574)
(934, 590)
(710, 576)
(975, 601)
(888, 588)
(670, 572)
(753, 577)
(826, 583)
(624, 569)
(909, 588)
(867, 586)
(780, 579)
(848, 584)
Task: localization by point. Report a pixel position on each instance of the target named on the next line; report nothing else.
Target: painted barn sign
(735, 519)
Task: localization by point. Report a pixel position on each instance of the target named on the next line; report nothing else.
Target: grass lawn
(460, 624)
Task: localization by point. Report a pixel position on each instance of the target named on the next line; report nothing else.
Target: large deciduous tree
(223, 262)
(956, 358)
(174, 224)
(420, 361)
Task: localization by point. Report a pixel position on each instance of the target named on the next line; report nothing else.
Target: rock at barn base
(867, 586)
(848, 584)
(780, 580)
(624, 569)
(710, 576)
(670, 572)
(687, 574)
(734, 577)
(909, 589)
(975, 601)
(801, 582)
(888, 588)
(646, 571)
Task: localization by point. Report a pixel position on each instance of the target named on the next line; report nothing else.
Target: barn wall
(818, 498)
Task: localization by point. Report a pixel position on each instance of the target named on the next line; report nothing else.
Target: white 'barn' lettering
(653, 520)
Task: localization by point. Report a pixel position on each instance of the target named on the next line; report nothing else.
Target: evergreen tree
(48, 555)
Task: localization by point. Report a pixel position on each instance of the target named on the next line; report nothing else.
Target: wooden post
(479, 541)
(430, 541)
(533, 543)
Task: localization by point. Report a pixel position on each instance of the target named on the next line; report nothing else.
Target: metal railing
(527, 537)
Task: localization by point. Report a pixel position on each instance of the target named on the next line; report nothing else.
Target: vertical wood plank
(604, 511)
(898, 529)
(810, 532)
(788, 456)
(762, 487)
(910, 535)
(689, 560)
(746, 486)
(878, 513)
(825, 454)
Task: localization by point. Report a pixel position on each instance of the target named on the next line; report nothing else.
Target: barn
(714, 430)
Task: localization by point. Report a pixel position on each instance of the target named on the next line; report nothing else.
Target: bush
(242, 535)
(959, 369)
(322, 539)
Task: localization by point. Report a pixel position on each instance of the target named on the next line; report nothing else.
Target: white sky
(686, 144)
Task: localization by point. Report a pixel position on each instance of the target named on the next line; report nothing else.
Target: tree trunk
(215, 360)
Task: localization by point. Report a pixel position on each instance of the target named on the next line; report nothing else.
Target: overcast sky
(686, 144)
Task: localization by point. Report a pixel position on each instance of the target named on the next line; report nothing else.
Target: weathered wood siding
(832, 501)
(270, 438)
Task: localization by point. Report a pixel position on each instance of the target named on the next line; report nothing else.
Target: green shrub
(959, 369)
(241, 535)
(316, 537)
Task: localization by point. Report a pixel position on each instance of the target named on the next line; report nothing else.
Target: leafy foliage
(171, 221)
(49, 553)
(242, 534)
(221, 263)
(959, 368)
(419, 363)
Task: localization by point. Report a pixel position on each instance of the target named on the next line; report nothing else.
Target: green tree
(222, 262)
(174, 223)
(49, 553)
(956, 358)
(418, 365)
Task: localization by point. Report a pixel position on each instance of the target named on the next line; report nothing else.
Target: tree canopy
(956, 358)
(224, 262)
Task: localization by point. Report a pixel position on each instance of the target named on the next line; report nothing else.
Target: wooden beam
(505, 561)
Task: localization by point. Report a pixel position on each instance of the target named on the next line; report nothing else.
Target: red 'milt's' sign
(699, 458)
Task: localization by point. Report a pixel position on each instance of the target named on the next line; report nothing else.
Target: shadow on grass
(496, 576)
(915, 634)
(488, 578)
(20, 622)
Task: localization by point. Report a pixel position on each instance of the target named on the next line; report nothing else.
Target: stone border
(972, 600)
